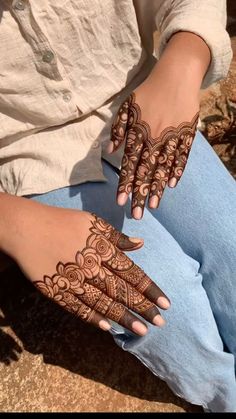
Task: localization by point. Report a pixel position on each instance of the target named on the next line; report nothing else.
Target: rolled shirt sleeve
(206, 19)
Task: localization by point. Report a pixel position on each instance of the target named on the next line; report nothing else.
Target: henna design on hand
(103, 281)
(149, 163)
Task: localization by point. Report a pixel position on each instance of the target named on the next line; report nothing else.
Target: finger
(70, 302)
(132, 153)
(118, 129)
(125, 243)
(159, 183)
(118, 239)
(187, 133)
(142, 181)
(162, 172)
(181, 158)
(122, 292)
(103, 304)
(125, 268)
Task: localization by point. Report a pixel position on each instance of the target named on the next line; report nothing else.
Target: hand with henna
(149, 164)
(77, 260)
(157, 124)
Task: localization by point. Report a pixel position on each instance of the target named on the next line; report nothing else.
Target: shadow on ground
(62, 340)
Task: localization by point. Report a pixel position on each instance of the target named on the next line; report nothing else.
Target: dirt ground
(218, 106)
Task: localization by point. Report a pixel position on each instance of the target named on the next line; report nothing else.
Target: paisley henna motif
(149, 163)
(102, 279)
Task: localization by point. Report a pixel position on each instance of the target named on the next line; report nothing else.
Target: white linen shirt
(65, 67)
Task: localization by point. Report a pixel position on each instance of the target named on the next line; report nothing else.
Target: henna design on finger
(117, 238)
(181, 156)
(148, 163)
(118, 129)
(102, 280)
(122, 292)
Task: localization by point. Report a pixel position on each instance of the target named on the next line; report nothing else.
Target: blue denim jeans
(190, 251)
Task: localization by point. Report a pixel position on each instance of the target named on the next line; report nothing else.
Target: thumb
(118, 130)
(118, 239)
(124, 242)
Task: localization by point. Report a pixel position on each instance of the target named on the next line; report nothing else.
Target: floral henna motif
(117, 238)
(102, 279)
(148, 163)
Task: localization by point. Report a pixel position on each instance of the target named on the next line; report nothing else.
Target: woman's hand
(150, 161)
(157, 123)
(76, 259)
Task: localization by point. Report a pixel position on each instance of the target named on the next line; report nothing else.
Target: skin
(77, 260)
(149, 163)
(48, 242)
(168, 98)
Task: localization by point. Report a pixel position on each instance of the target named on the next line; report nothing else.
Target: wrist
(183, 64)
(169, 91)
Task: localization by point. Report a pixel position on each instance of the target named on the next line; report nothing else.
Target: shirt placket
(45, 57)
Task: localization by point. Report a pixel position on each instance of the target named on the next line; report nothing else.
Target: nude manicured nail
(173, 182)
(137, 213)
(158, 320)
(153, 202)
(163, 303)
(122, 198)
(110, 147)
(104, 325)
(139, 328)
(136, 240)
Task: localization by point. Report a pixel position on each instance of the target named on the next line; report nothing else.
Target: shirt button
(48, 56)
(95, 144)
(67, 96)
(19, 5)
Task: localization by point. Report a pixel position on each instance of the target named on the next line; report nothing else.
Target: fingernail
(163, 303)
(136, 240)
(129, 243)
(104, 325)
(110, 147)
(153, 202)
(122, 198)
(158, 320)
(139, 328)
(137, 213)
(172, 182)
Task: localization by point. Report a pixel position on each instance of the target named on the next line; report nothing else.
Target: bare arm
(8, 214)
(185, 60)
(162, 108)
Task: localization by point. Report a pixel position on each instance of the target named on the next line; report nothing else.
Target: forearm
(5, 208)
(11, 208)
(185, 60)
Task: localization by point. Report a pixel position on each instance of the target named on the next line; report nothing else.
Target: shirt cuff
(215, 36)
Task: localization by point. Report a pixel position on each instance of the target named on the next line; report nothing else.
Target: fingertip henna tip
(110, 147)
(173, 182)
(153, 202)
(122, 198)
(136, 240)
(104, 325)
(137, 213)
(158, 321)
(136, 243)
(126, 243)
(139, 328)
(163, 303)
